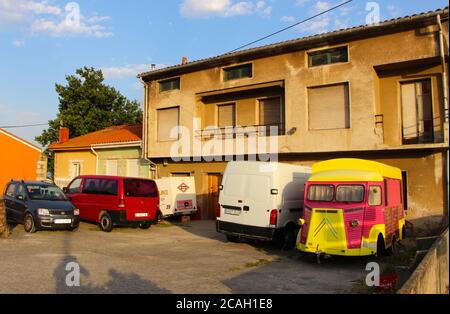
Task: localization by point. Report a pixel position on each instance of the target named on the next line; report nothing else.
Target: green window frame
(328, 56)
(238, 72)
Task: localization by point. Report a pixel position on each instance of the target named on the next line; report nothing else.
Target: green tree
(87, 105)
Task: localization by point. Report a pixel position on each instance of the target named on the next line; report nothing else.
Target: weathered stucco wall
(122, 155)
(64, 160)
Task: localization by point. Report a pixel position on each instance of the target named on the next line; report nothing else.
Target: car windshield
(45, 193)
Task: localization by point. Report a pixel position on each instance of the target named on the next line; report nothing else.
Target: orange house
(18, 159)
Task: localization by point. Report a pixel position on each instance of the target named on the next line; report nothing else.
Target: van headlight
(43, 212)
(76, 212)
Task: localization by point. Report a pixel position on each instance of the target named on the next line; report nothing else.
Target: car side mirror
(20, 197)
(65, 190)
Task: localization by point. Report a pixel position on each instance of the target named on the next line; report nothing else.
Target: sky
(42, 41)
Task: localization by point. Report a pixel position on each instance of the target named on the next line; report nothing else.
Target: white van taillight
(121, 202)
(274, 217)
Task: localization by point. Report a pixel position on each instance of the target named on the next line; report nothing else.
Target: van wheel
(159, 216)
(286, 240)
(28, 224)
(106, 223)
(404, 235)
(145, 225)
(232, 238)
(394, 249)
(381, 247)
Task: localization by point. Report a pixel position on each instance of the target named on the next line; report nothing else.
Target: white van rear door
(246, 199)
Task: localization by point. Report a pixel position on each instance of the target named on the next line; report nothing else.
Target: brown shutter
(329, 107)
(167, 120)
(226, 116)
(270, 111)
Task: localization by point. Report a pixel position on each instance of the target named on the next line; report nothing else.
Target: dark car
(39, 206)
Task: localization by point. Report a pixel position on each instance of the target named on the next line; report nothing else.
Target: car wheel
(145, 225)
(74, 229)
(232, 238)
(28, 224)
(106, 223)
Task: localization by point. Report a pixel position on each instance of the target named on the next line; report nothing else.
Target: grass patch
(258, 263)
(235, 269)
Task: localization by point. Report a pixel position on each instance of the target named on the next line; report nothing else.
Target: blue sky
(42, 41)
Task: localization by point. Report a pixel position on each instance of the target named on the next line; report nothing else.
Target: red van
(115, 201)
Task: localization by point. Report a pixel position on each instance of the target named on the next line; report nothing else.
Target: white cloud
(301, 3)
(18, 43)
(129, 70)
(223, 8)
(316, 26)
(41, 17)
(288, 19)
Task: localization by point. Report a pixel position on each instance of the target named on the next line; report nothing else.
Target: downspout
(96, 159)
(445, 99)
(145, 131)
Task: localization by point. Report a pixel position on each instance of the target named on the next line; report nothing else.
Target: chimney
(184, 60)
(63, 135)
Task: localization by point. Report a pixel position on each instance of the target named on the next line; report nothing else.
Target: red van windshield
(140, 188)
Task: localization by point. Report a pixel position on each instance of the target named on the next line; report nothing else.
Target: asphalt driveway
(168, 258)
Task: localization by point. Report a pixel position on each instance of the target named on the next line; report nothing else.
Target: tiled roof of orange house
(111, 135)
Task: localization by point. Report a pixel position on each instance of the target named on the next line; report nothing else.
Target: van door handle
(246, 209)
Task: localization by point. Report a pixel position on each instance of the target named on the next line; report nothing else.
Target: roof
(349, 169)
(362, 31)
(111, 135)
(20, 140)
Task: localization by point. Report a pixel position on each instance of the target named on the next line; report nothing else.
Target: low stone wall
(432, 274)
(3, 224)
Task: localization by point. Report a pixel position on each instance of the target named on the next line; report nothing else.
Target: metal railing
(242, 131)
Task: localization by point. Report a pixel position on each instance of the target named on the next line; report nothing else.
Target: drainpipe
(145, 131)
(445, 99)
(96, 159)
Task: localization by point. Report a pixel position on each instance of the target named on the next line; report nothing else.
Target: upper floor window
(168, 124)
(328, 56)
(226, 115)
(237, 72)
(329, 107)
(167, 85)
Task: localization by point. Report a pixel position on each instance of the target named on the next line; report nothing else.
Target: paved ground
(165, 259)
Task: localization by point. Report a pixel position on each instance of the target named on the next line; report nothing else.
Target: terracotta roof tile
(113, 134)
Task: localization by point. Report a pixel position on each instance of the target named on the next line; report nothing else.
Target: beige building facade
(374, 92)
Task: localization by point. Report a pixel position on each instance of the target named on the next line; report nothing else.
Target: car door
(20, 202)
(10, 193)
(73, 192)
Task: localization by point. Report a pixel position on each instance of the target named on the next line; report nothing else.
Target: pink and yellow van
(353, 207)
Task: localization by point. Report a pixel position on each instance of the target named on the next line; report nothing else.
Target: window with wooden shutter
(329, 107)
(226, 115)
(168, 120)
(270, 111)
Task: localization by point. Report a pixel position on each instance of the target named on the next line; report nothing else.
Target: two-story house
(376, 92)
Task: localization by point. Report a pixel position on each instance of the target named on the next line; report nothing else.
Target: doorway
(214, 182)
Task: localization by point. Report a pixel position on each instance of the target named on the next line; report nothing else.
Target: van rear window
(140, 188)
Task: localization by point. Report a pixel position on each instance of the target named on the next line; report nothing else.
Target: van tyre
(106, 223)
(286, 239)
(28, 224)
(145, 225)
(232, 238)
(381, 247)
(395, 247)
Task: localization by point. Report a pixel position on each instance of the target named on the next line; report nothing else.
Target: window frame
(310, 53)
(160, 85)
(381, 195)
(157, 124)
(322, 201)
(234, 67)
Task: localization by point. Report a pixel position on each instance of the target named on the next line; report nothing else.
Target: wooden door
(214, 182)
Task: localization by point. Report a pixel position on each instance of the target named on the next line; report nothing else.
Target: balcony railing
(242, 131)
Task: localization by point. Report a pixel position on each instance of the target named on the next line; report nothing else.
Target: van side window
(375, 196)
(140, 188)
(109, 187)
(91, 186)
(10, 190)
(74, 188)
(100, 187)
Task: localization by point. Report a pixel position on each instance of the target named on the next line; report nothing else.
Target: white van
(262, 201)
(177, 196)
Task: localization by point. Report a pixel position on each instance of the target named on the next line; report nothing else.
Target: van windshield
(45, 193)
(350, 193)
(140, 188)
(321, 193)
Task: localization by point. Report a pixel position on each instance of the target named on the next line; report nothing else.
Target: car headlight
(76, 212)
(43, 212)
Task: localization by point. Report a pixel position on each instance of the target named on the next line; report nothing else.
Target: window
(226, 116)
(168, 123)
(375, 196)
(74, 188)
(167, 85)
(417, 112)
(350, 193)
(140, 188)
(76, 169)
(321, 193)
(329, 56)
(133, 168)
(10, 191)
(21, 191)
(112, 167)
(241, 71)
(100, 187)
(271, 113)
(329, 107)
